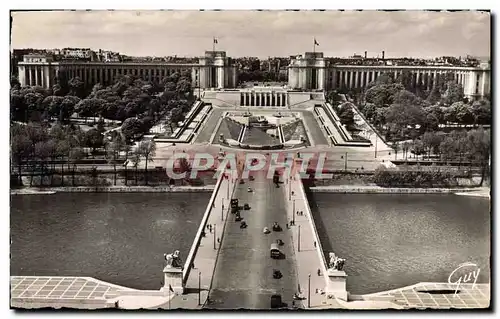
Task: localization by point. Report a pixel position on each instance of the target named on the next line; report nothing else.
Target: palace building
(311, 72)
(214, 70)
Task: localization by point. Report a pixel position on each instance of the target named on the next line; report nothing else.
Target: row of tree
(401, 114)
(261, 76)
(472, 146)
(128, 97)
(38, 149)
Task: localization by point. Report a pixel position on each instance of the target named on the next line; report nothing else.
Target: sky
(257, 33)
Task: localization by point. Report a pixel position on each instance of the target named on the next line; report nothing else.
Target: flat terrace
(432, 295)
(61, 291)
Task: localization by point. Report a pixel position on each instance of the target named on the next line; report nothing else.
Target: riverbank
(372, 189)
(111, 189)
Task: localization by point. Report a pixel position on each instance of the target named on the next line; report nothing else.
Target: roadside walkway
(206, 256)
(307, 258)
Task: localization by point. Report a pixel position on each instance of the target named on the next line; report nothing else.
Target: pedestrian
(319, 272)
(218, 240)
(287, 226)
(314, 244)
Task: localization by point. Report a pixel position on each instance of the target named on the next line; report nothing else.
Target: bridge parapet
(333, 282)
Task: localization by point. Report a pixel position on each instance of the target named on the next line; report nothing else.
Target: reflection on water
(120, 238)
(391, 241)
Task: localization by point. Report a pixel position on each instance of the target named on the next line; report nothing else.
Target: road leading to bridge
(244, 272)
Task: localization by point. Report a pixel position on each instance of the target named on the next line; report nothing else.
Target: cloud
(262, 32)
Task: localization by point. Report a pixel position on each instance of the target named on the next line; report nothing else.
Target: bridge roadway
(243, 274)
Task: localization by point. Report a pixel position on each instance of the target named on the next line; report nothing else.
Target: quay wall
(387, 190)
(113, 189)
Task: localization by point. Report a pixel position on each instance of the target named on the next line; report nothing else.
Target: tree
(479, 145)
(20, 149)
(454, 93)
(68, 107)
(459, 112)
(333, 97)
(113, 150)
(176, 116)
(418, 148)
(14, 82)
(136, 159)
(93, 139)
(437, 112)
(75, 154)
(346, 115)
(53, 104)
(434, 96)
(430, 122)
(482, 112)
(183, 88)
(90, 107)
(76, 87)
(464, 113)
(147, 149)
(63, 149)
(400, 117)
(431, 142)
(130, 128)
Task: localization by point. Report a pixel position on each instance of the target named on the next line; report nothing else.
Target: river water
(119, 238)
(390, 241)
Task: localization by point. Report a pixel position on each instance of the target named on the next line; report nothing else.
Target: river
(390, 241)
(119, 238)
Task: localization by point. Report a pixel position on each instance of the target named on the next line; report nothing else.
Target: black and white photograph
(284, 160)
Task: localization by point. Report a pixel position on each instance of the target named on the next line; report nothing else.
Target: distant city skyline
(417, 34)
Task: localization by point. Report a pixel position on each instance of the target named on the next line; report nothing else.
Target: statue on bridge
(173, 260)
(336, 263)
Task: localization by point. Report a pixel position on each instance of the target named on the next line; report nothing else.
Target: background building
(314, 72)
(214, 70)
(311, 71)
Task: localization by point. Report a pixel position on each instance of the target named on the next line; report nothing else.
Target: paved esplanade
(244, 272)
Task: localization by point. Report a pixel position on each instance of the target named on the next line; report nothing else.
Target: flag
(316, 42)
(170, 288)
(215, 41)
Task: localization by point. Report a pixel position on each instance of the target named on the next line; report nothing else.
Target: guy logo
(458, 277)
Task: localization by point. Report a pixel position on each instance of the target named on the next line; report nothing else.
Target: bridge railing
(319, 247)
(196, 243)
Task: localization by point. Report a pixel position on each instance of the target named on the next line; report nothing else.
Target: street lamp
(299, 240)
(345, 162)
(214, 235)
(199, 288)
(309, 293)
(293, 212)
(222, 210)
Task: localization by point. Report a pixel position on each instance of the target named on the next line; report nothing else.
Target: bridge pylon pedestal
(173, 278)
(337, 284)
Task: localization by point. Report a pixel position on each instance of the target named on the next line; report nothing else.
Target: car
(246, 206)
(276, 301)
(266, 230)
(277, 227)
(277, 274)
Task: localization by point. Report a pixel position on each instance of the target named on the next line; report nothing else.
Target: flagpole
(169, 287)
